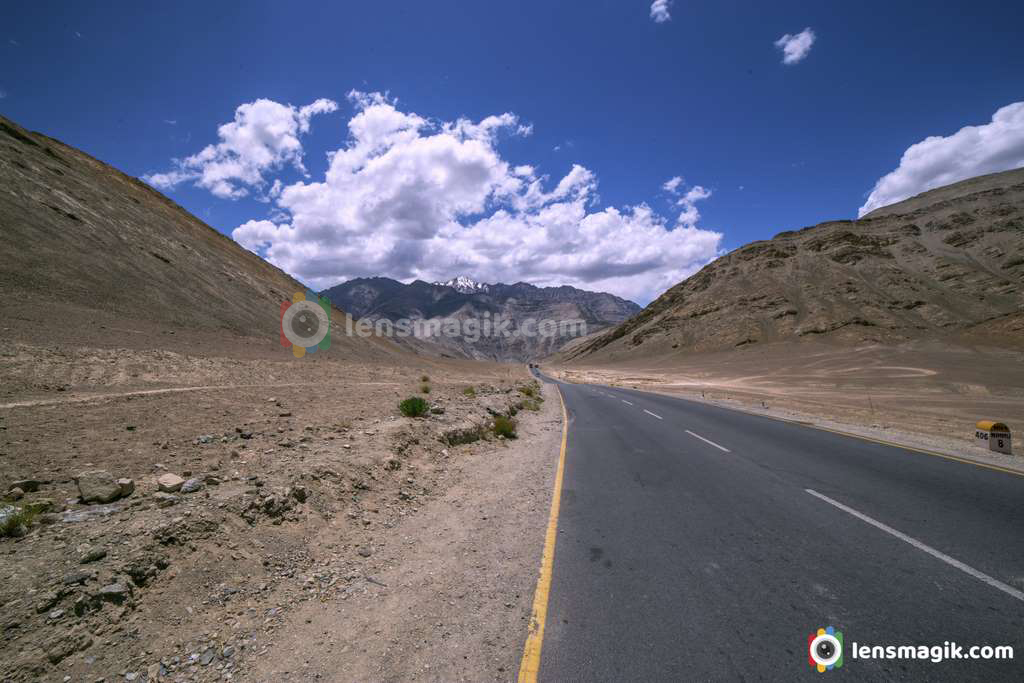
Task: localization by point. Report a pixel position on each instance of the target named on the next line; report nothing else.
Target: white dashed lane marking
(653, 414)
(708, 441)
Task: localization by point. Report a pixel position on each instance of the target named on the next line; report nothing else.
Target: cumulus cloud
(795, 46)
(263, 137)
(408, 197)
(659, 11)
(937, 161)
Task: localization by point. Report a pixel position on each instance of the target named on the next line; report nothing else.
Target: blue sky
(704, 96)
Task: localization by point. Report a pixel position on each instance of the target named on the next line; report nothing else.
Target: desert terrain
(185, 500)
(922, 395)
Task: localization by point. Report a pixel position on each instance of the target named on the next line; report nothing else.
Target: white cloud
(937, 161)
(795, 46)
(659, 11)
(689, 216)
(3, 94)
(263, 137)
(409, 198)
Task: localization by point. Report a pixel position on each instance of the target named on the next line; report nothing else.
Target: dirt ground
(324, 535)
(924, 395)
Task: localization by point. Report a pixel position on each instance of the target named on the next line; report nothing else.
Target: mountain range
(463, 299)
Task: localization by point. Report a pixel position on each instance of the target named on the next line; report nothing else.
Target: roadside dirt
(921, 395)
(448, 597)
(307, 490)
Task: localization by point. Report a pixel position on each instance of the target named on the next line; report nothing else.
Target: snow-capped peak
(464, 284)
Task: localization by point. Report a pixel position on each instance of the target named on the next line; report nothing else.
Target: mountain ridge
(379, 298)
(947, 262)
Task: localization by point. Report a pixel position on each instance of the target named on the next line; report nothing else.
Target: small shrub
(15, 522)
(528, 391)
(504, 426)
(469, 391)
(414, 406)
(425, 389)
(424, 378)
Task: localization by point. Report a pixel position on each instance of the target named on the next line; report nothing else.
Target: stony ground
(289, 490)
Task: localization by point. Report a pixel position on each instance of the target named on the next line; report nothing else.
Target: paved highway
(700, 543)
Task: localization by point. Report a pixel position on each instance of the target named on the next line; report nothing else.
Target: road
(700, 543)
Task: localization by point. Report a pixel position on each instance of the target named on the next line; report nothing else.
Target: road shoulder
(448, 597)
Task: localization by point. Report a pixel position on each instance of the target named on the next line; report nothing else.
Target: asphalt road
(699, 543)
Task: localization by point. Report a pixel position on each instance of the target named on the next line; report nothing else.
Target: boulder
(192, 485)
(127, 487)
(97, 486)
(165, 500)
(114, 592)
(15, 494)
(169, 483)
(26, 485)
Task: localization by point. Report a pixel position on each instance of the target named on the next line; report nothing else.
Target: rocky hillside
(947, 263)
(463, 299)
(93, 256)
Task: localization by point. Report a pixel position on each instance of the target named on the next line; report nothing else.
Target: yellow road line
(530, 664)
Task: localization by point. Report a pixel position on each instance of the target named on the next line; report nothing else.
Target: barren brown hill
(947, 264)
(98, 257)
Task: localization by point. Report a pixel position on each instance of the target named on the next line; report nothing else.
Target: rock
(116, 593)
(228, 652)
(153, 672)
(6, 511)
(466, 432)
(127, 487)
(437, 410)
(93, 555)
(39, 505)
(26, 485)
(365, 551)
(207, 656)
(299, 493)
(97, 486)
(65, 645)
(165, 500)
(48, 518)
(48, 601)
(15, 494)
(90, 513)
(169, 483)
(77, 577)
(191, 485)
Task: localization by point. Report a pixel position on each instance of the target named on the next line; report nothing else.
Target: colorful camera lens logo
(825, 649)
(306, 323)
